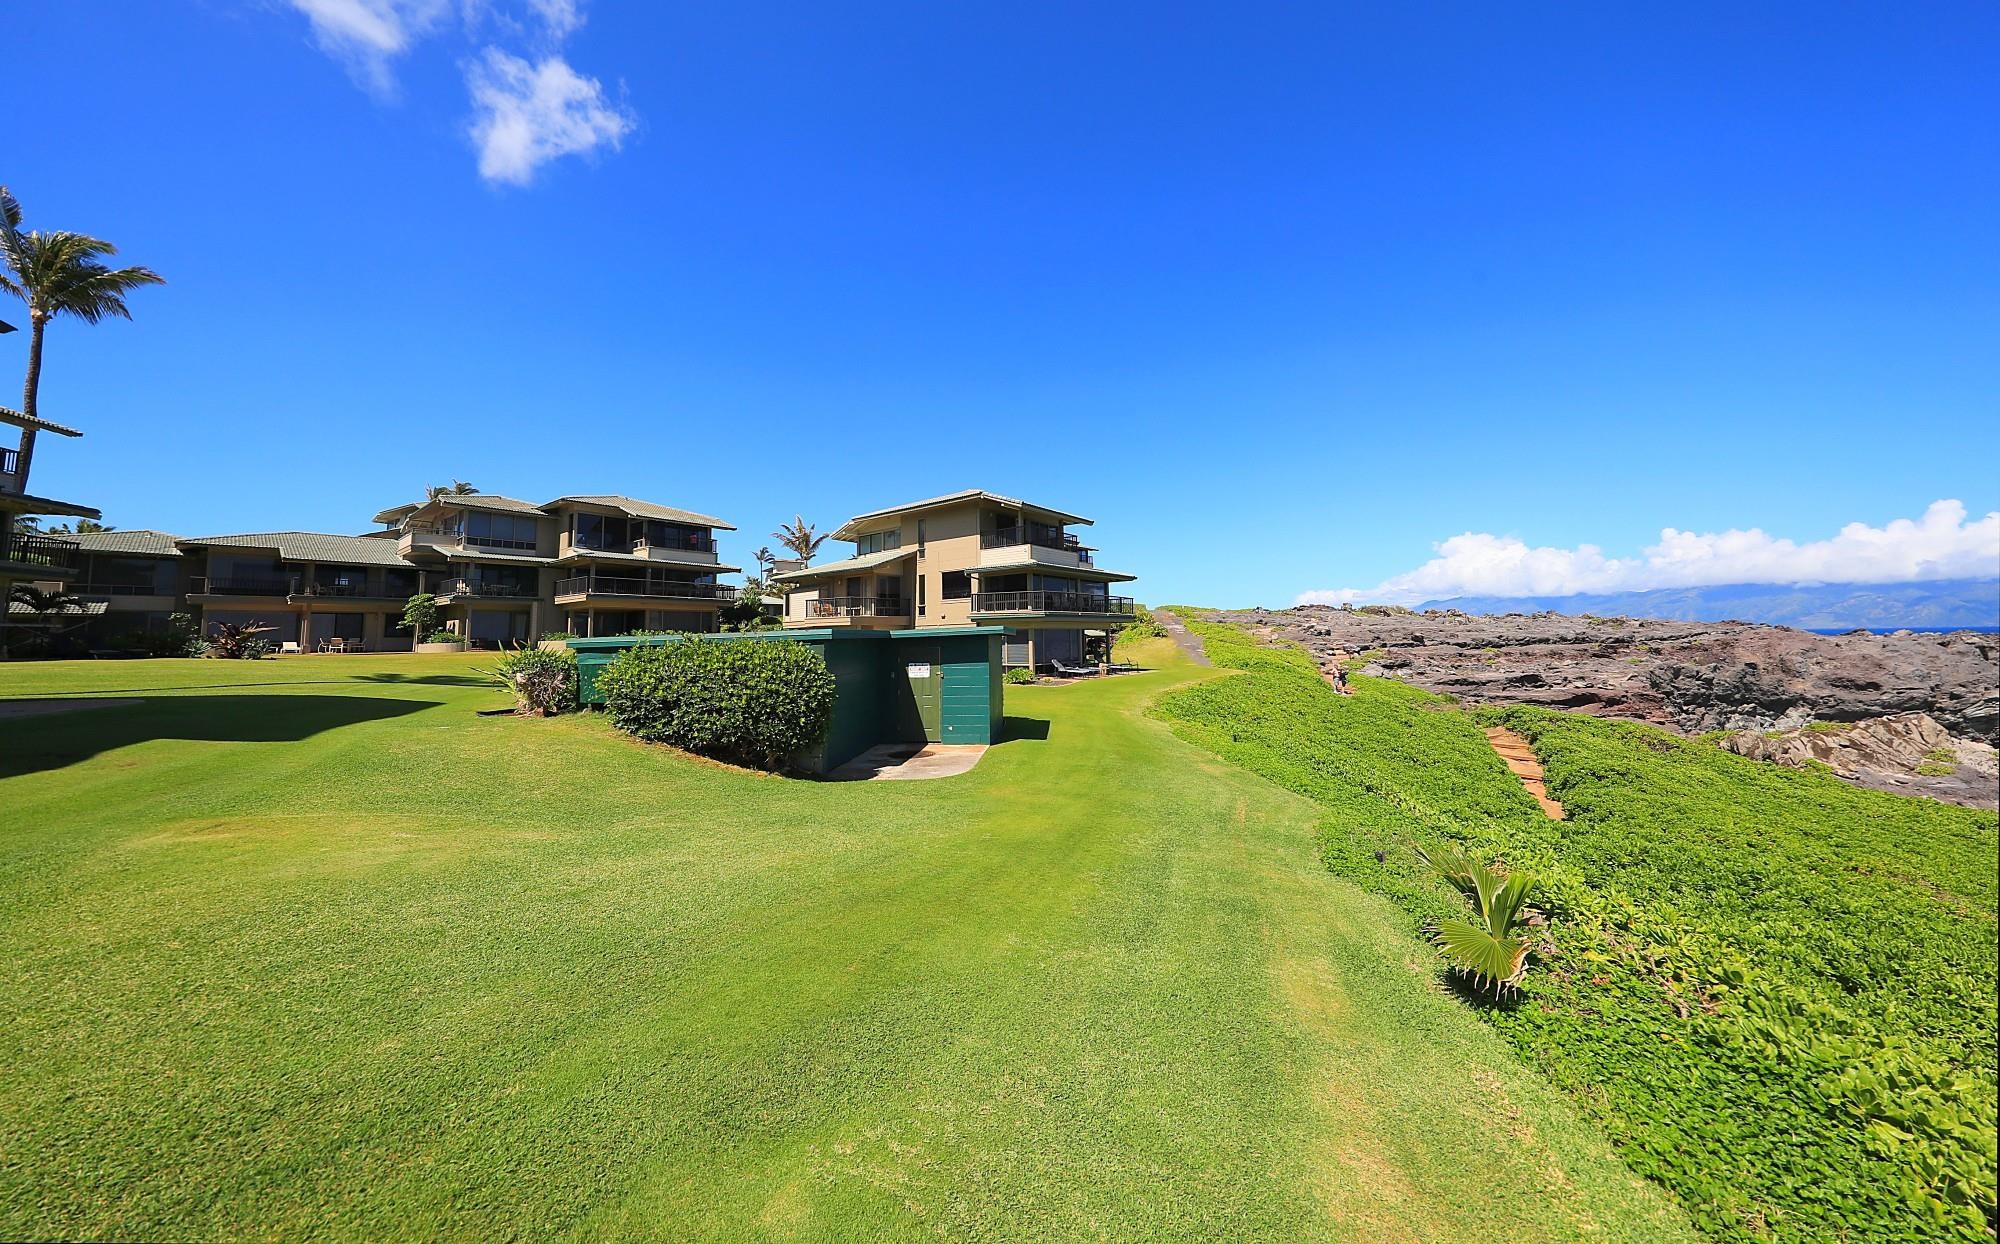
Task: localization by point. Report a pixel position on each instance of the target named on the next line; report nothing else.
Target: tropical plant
(456, 488)
(543, 680)
(1020, 677)
(42, 602)
(58, 273)
(1491, 949)
(759, 702)
(238, 641)
(799, 536)
(83, 527)
(420, 614)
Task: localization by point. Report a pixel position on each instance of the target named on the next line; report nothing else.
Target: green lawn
(307, 948)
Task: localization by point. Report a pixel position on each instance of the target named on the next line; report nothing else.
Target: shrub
(420, 614)
(1020, 677)
(1142, 626)
(443, 637)
(231, 641)
(556, 635)
(182, 638)
(543, 680)
(757, 703)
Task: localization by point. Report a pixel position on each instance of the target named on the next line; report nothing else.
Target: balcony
(120, 589)
(448, 588)
(639, 586)
(1088, 603)
(1062, 548)
(242, 585)
(10, 462)
(857, 607)
(45, 555)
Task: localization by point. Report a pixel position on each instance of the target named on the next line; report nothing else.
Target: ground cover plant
(1776, 991)
(543, 680)
(312, 949)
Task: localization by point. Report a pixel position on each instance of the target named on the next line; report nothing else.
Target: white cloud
(526, 115)
(527, 108)
(366, 35)
(1940, 545)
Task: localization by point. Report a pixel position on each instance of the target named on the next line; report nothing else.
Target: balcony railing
(1050, 602)
(335, 589)
(612, 585)
(120, 589)
(10, 462)
(640, 546)
(43, 552)
(480, 587)
(242, 585)
(858, 607)
(1040, 537)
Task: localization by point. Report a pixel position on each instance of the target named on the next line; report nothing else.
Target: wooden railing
(242, 585)
(1050, 602)
(46, 552)
(479, 587)
(617, 585)
(858, 607)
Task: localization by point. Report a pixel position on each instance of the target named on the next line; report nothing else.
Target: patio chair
(290, 648)
(1067, 670)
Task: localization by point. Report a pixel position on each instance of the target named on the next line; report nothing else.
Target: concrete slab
(909, 762)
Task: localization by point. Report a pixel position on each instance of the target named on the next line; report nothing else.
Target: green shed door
(923, 669)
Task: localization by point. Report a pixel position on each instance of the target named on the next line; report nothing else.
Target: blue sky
(1284, 297)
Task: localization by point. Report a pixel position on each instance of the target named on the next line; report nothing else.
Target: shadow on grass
(54, 741)
(432, 680)
(1013, 728)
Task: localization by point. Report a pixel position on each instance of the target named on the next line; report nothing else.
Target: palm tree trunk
(30, 391)
(32, 387)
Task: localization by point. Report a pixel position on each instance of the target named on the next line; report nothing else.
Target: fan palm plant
(457, 488)
(799, 536)
(1491, 949)
(60, 273)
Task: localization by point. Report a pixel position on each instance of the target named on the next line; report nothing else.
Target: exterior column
(305, 630)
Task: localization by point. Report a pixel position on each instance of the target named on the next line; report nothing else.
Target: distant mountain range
(1942, 603)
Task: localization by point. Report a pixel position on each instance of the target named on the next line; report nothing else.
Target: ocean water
(1890, 630)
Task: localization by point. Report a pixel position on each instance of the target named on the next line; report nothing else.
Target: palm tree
(799, 537)
(59, 273)
(55, 600)
(457, 488)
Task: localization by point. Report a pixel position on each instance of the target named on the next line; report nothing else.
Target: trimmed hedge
(756, 702)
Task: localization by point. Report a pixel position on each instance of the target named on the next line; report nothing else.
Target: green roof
(308, 546)
(867, 561)
(141, 542)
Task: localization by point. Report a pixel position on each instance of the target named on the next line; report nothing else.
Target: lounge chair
(1066, 670)
(290, 648)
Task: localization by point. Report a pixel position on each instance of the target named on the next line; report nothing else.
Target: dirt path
(1522, 764)
(1187, 640)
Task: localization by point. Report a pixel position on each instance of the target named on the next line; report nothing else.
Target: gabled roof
(853, 565)
(308, 546)
(88, 609)
(958, 498)
(20, 420)
(141, 542)
(464, 501)
(640, 509)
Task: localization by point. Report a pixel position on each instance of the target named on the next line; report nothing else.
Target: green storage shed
(937, 684)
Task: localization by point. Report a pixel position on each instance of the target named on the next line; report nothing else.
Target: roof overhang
(20, 420)
(853, 565)
(1092, 573)
(864, 522)
(25, 503)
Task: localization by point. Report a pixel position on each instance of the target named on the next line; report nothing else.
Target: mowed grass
(307, 948)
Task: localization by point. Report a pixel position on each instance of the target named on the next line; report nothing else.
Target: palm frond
(1495, 962)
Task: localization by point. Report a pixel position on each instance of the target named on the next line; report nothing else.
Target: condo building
(503, 571)
(967, 558)
(28, 555)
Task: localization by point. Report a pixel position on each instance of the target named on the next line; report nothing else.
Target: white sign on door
(919, 669)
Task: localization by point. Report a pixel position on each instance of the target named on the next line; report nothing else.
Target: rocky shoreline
(1693, 677)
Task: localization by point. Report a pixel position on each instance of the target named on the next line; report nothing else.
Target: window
(135, 575)
(920, 596)
(399, 583)
(955, 585)
(878, 542)
(342, 625)
(920, 549)
(678, 536)
(504, 531)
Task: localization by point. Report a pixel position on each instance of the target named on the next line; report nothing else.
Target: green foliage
(543, 680)
(757, 702)
(1775, 991)
(1019, 677)
(230, 641)
(1142, 626)
(182, 638)
(442, 637)
(556, 636)
(420, 614)
(1492, 948)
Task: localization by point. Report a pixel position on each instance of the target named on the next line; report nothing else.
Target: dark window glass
(956, 585)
